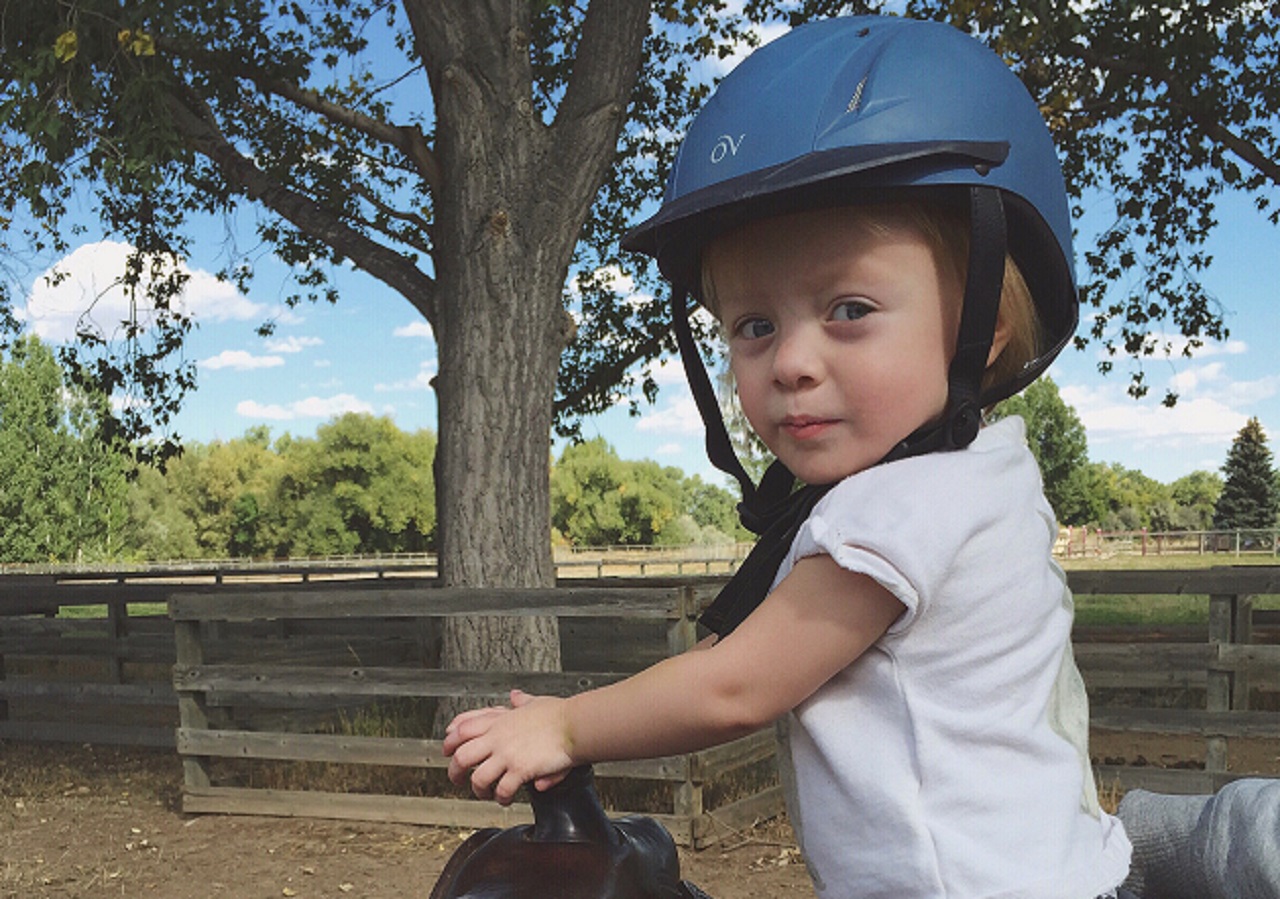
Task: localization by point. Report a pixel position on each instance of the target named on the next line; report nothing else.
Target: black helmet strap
(988, 245)
(719, 447)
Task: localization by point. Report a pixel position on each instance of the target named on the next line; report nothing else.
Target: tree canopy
(600, 499)
(471, 153)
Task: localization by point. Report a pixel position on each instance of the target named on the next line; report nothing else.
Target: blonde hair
(946, 229)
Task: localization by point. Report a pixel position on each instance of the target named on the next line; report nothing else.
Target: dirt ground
(96, 821)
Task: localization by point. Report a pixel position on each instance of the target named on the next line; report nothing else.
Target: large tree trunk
(514, 193)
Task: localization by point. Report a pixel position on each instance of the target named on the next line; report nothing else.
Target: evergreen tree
(1248, 498)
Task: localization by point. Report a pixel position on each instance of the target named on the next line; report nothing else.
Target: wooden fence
(1229, 671)
(226, 674)
(271, 673)
(103, 678)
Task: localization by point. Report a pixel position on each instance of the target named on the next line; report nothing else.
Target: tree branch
(408, 139)
(390, 267)
(1181, 97)
(655, 342)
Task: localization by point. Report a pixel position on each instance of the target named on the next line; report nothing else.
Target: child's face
(839, 336)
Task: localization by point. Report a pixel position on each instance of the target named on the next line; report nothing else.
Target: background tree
(361, 486)
(62, 485)
(600, 499)
(1248, 498)
(1057, 439)
(1196, 495)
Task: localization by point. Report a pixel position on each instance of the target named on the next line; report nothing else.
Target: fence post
(682, 635)
(117, 630)
(192, 714)
(1241, 632)
(1218, 692)
(4, 703)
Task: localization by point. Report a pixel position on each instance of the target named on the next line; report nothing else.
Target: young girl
(840, 205)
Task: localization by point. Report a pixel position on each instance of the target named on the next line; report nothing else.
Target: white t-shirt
(951, 758)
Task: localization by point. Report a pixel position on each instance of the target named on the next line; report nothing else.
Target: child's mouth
(804, 428)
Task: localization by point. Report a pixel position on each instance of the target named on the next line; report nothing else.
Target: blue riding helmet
(849, 110)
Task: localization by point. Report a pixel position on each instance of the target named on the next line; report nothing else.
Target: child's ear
(999, 340)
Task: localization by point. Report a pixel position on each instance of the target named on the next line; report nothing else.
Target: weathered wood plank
(283, 680)
(1188, 721)
(80, 692)
(355, 806)
(430, 811)
(336, 748)
(709, 764)
(350, 601)
(146, 648)
(347, 749)
(1257, 660)
(99, 734)
(731, 819)
(1139, 657)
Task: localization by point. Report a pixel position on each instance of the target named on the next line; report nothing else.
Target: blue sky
(371, 352)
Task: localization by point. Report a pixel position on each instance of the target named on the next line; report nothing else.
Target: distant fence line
(1083, 542)
(603, 561)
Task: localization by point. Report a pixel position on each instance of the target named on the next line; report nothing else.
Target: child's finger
(548, 781)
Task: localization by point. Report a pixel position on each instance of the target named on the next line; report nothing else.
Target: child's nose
(796, 361)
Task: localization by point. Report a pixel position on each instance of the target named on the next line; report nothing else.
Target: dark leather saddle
(573, 850)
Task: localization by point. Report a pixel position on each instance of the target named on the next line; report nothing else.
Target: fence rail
(1079, 543)
(250, 668)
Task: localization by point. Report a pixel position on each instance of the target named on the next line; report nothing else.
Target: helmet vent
(856, 100)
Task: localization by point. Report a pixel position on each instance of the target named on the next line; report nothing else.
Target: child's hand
(505, 748)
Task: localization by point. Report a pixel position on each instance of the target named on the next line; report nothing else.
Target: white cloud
(669, 449)
(293, 344)
(669, 371)
(1213, 403)
(1108, 415)
(679, 416)
(90, 295)
(413, 329)
(420, 381)
(239, 360)
(311, 407)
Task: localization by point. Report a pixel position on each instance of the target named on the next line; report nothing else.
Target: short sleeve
(821, 534)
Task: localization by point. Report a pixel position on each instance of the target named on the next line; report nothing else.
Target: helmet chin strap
(988, 244)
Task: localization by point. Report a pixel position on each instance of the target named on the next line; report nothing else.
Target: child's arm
(817, 621)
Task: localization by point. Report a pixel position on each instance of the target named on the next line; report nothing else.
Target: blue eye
(755, 328)
(850, 311)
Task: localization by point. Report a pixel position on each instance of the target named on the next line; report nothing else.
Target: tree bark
(513, 194)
